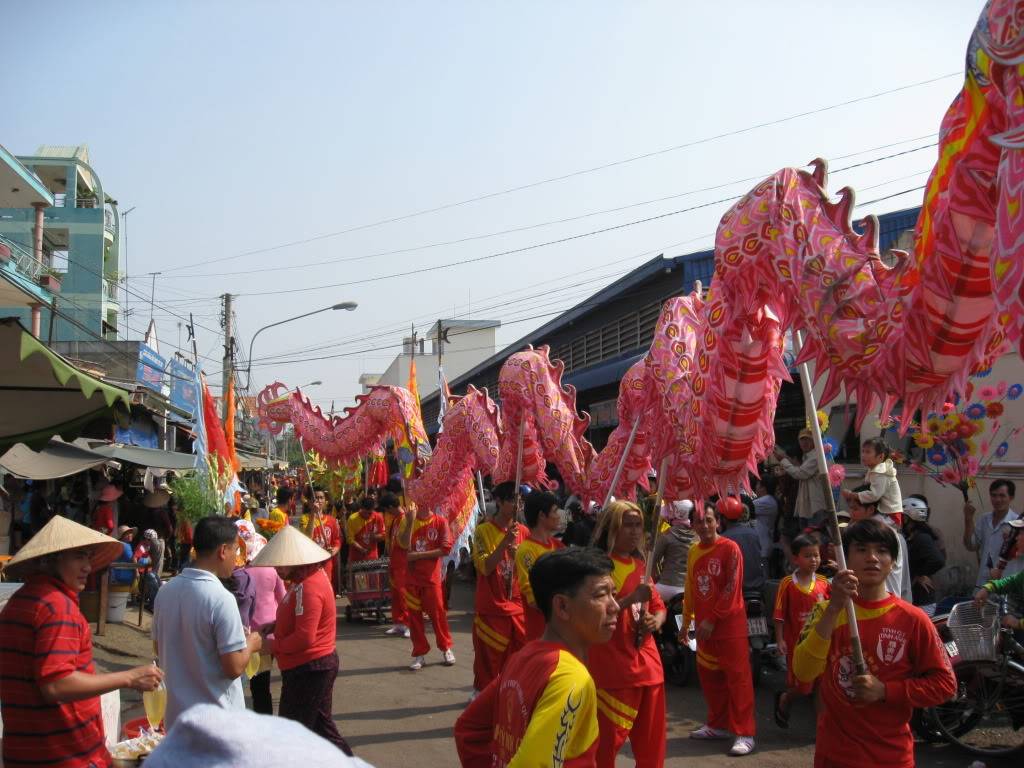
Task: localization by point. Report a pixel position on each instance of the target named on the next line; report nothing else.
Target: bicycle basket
(975, 630)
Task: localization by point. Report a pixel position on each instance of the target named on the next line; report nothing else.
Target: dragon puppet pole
(622, 463)
(480, 491)
(518, 498)
(819, 449)
(659, 499)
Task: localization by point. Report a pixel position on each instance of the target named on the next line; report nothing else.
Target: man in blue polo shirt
(197, 630)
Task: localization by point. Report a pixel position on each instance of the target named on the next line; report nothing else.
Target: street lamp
(349, 305)
(316, 383)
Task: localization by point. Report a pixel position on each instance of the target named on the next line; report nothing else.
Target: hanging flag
(405, 451)
(215, 441)
(229, 426)
(199, 444)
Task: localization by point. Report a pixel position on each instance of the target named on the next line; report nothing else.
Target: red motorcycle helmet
(730, 507)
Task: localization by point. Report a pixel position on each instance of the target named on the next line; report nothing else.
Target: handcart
(369, 590)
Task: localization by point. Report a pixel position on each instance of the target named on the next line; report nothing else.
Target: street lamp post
(347, 305)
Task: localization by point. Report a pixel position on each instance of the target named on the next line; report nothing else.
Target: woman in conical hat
(303, 636)
(58, 692)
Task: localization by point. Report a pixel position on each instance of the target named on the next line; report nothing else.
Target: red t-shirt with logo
(432, 533)
(714, 588)
(493, 596)
(364, 531)
(619, 663)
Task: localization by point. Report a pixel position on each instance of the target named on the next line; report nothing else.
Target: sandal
(781, 715)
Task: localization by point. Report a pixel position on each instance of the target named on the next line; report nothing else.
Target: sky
(301, 154)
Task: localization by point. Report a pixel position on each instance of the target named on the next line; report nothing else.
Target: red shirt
(619, 663)
(364, 531)
(398, 563)
(43, 638)
(541, 710)
(903, 650)
(493, 596)
(306, 622)
(714, 588)
(103, 517)
(428, 534)
(328, 535)
(793, 604)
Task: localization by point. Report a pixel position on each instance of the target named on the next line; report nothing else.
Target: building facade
(78, 252)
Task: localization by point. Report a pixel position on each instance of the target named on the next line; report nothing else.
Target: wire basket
(975, 630)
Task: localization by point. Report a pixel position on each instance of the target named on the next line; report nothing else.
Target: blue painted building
(77, 257)
(602, 336)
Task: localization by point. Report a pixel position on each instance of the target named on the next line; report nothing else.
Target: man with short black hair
(544, 520)
(197, 630)
(498, 626)
(986, 534)
(397, 567)
(542, 708)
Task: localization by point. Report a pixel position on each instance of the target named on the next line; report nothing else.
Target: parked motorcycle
(677, 659)
(761, 647)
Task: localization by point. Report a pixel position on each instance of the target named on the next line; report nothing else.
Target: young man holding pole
(397, 566)
(426, 539)
(542, 708)
(544, 520)
(498, 624)
(713, 600)
(864, 719)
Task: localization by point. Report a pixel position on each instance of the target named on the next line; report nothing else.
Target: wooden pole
(622, 462)
(510, 577)
(851, 612)
(659, 499)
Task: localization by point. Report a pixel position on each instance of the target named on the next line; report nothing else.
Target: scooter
(757, 634)
(677, 659)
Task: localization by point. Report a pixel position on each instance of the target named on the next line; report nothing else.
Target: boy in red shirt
(797, 595)
(542, 708)
(714, 602)
(629, 679)
(864, 720)
(426, 539)
(542, 516)
(397, 566)
(326, 532)
(498, 627)
(363, 530)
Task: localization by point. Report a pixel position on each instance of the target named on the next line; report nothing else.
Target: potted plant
(49, 279)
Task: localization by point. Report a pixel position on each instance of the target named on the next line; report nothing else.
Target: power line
(512, 230)
(573, 174)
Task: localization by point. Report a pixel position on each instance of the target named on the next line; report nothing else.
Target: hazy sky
(240, 128)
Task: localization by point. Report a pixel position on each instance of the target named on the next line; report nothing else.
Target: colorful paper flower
(947, 407)
(1003, 449)
(984, 373)
(975, 411)
(937, 456)
(949, 475)
(994, 410)
(1014, 391)
(1001, 388)
(988, 393)
(924, 440)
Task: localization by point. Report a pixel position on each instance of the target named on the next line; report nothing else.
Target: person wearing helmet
(925, 553)
(735, 515)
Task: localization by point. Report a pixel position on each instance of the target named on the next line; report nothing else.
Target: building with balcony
(71, 238)
(22, 293)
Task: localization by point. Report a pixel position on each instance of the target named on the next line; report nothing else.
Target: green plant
(196, 496)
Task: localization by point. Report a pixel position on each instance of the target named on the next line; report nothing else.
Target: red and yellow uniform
(540, 711)
(366, 532)
(630, 680)
(529, 550)
(793, 604)
(423, 585)
(327, 534)
(498, 626)
(397, 567)
(714, 592)
(903, 650)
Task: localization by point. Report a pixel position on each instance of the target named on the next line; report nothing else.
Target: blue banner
(150, 372)
(183, 387)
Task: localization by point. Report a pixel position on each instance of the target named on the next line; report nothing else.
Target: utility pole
(228, 368)
(152, 294)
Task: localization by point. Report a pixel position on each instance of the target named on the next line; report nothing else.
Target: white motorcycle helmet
(916, 509)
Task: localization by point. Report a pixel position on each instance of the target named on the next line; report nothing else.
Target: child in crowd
(864, 718)
(797, 595)
(544, 520)
(883, 488)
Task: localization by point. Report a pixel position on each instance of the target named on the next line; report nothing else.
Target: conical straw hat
(58, 535)
(291, 547)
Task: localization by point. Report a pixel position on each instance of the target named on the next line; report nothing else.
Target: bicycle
(986, 715)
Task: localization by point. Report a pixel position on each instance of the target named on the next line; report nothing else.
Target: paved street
(393, 717)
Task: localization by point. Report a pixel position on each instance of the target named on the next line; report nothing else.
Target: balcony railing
(23, 259)
(110, 288)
